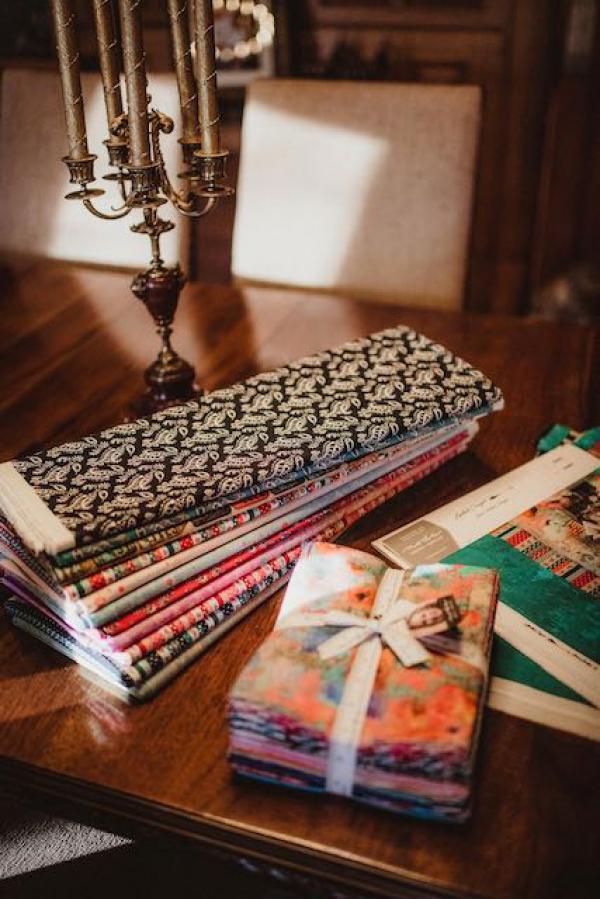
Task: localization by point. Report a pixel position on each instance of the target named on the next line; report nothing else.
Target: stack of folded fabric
(372, 685)
(132, 550)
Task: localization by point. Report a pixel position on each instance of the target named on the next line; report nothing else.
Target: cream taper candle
(68, 63)
(135, 80)
(109, 58)
(184, 70)
(206, 69)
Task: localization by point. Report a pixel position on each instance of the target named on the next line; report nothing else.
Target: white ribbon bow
(386, 624)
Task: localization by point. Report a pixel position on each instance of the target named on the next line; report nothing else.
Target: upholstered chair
(362, 188)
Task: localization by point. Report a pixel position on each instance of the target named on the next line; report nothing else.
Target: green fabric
(544, 598)
(539, 595)
(559, 434)
(509, 663)
(553, 438)
(588, 439)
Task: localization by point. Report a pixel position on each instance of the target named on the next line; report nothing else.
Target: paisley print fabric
(269, 431)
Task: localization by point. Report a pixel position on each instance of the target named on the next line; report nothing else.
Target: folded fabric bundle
(120, 547)
(372, 685)
(145, 648)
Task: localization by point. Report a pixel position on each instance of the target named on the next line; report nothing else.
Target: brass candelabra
(134, 153)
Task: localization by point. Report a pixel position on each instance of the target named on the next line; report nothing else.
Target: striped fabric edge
(545, 555)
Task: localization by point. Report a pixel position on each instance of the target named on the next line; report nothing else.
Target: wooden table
(73, 345)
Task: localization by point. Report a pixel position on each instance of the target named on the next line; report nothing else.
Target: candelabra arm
(191, 212)
(160, 123)
(118, 214)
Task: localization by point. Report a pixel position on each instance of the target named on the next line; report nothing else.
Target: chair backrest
(358, 187)
(36, 220)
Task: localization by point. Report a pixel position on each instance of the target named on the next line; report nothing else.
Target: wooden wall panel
(568, 206)
(504, 46)
(406, 13)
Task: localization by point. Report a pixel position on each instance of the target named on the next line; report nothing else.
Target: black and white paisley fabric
(265, 432)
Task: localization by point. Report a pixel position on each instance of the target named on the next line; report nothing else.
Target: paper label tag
(465, 520)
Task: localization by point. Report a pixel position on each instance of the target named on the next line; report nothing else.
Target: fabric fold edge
(29, 515)
(518, 699)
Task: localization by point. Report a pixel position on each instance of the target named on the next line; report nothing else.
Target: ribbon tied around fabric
(395, 622)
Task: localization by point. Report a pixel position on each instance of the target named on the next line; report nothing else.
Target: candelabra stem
(169, 379)
(153, 227)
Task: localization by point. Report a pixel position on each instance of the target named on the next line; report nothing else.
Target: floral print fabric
(417, 746)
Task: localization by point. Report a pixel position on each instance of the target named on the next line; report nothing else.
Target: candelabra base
(169, 379)
(148, 404)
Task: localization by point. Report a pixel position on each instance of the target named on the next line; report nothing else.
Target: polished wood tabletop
(73, 345)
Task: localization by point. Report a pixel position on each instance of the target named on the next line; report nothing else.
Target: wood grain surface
(74, 343)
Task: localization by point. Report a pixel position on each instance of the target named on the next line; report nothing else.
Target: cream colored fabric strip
(350, 718)
(542, 708)
(31, 518)
(563, 662)
(352, 710)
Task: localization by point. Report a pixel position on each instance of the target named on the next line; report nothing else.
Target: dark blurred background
(536, 238)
